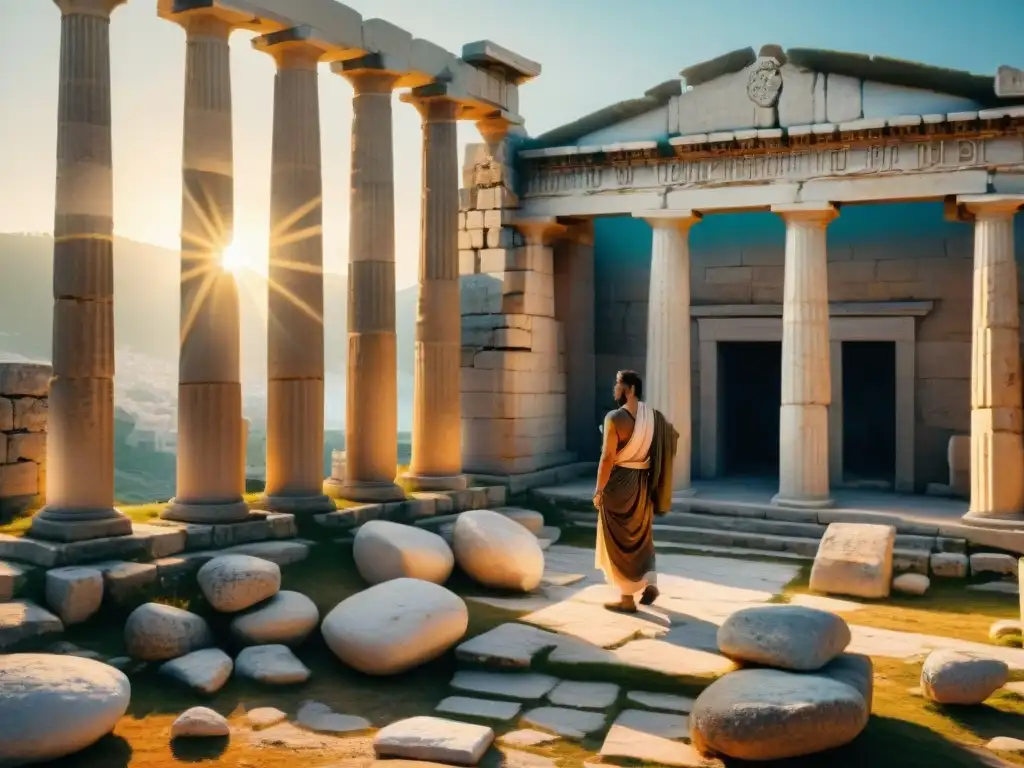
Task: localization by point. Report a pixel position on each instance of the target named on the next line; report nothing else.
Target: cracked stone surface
(524, 686)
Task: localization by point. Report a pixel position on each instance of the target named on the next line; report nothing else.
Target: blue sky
(594, 52)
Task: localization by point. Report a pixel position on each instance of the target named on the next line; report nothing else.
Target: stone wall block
(24, 380)
(30, 413)
(24, 446)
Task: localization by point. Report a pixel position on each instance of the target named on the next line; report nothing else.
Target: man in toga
(634, 482)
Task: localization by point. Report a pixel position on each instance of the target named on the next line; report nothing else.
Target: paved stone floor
(677, 634)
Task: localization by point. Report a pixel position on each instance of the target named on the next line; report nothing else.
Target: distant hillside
(146, 306)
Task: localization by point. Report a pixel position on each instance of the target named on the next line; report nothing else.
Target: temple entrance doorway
(751, 381)
(869, 411)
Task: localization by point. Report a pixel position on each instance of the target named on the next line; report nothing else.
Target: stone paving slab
(658, 656)
(527, 737)
(523, 686)
(666, 702)
(593, 623)
(23, 620)
(625, 742)
(507, 645)
(583, 695)
(570, 723)
(483, 709)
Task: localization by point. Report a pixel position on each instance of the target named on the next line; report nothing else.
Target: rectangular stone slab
(854, 559)
(507, 645)
(479, 708)
(434, 738)
(527, 686)
(570, 723)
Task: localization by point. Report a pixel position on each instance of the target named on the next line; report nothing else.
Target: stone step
(763, 541)
(711, 549)
(744, 524)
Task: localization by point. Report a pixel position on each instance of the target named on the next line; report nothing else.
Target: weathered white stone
(1006, 744)
(1005, 628)
(74, 594)
(52, 706)
(580, 695)
(993, 562)
(286, 619)
(395, 626)
(482, 709)
(507, 645)
(953, 677)
(272, 664)
(950, 565)
(322, 719)
(199, 722)
(911, 583)
(570, 723)
(854, 559)
(155, 632)
(384, 550)
(843, 98)
(524, 686)
(265, 717)
(665, 702)
(530, 519)
(434, 738)
(235, 582)
(856, 670)
(496, 551)
(628, 742)
(784, 636)
(527, 737)
(767, 714)
(205, 671)
(22, 619)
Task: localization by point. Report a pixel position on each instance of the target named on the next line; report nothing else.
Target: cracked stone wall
(24, 400)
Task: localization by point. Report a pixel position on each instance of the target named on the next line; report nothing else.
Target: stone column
(997, 450)
(295, 290)
(211, 463)
(80, 448)
(437, 413)
(371, 399)
(806, 375)
(667, 374)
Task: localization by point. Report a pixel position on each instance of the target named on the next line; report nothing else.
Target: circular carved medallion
(765, 82)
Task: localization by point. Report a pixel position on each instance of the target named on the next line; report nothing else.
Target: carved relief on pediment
(765, 82)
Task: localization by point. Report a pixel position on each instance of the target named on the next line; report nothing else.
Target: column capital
(540, 230)
(373, 73)
(991, 206)
(579, 231)
(205, 26)
(812, 213)
(497, 125)
(433, 108)
(101, 8)
(681, 219)
(290, 49)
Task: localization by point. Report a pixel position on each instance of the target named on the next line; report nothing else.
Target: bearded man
(634, 483)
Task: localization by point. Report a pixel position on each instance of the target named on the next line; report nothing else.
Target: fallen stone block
(949, 565)
(23, 620)
(854, 559)
(74, 593)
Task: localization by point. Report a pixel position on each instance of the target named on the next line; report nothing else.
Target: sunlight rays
(206, 258)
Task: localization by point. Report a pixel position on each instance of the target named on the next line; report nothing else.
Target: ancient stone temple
(810, 256)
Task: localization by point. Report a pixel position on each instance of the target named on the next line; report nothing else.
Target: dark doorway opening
(869, 411)
(751, 389)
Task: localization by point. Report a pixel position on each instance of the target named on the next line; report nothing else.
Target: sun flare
(233, 258)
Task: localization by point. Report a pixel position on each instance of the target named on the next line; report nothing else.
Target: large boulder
(285, 619)
(157, 632)
(232, 583)
(384, 550)
(496, 551)
(856, 670)
(767, 714)
(52, 706)
(953, 677)
(784, 636)
(395, 626)
(854, 559)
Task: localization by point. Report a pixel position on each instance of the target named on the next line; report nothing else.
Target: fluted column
(295, 290)
(371, 398)
(211, 454)
(80, 448)
(437, 413)
(667, 370)
(997, 449)
(806, 376)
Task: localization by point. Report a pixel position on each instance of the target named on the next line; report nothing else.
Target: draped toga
(640, 486)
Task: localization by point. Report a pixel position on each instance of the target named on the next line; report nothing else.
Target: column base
(66, 525)
(363, 491)
(435, 482)
(297, 505)
(206, 512)
(1013, 521)
(779, 501)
